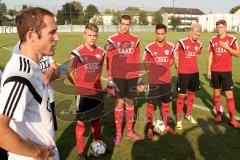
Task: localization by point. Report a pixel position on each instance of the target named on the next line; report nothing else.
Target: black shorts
(90, 107)
(159, 93)
(187, 82)
(222, 80)
(127, 87)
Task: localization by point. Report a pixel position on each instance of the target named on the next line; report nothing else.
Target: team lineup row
(24, 87)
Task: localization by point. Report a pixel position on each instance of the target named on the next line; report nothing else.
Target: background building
(187, 16)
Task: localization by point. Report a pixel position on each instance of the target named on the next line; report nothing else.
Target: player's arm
(51, 73)
(176, 59)
(210, 57)
(56, 73)
(233, 51)
(72, 77)
(146, 60)
(9, 139)
(111, 48)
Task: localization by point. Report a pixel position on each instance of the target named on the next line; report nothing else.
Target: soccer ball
(221, 110)
(159, 126)
(98, 148)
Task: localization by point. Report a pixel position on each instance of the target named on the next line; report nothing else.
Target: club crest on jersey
(166, 52)
(98, 56)
(196, 48)
(155, 53)
(187, 47)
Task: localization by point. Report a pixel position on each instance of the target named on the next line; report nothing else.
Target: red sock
(180, 103)
(231, 107)
(96, 129)
(216, 103)
(149, 116)
(79, 132)
(190, 102)
(129, 118)
(118, 114)
(165, 110)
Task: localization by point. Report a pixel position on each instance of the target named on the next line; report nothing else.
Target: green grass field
(204, 141)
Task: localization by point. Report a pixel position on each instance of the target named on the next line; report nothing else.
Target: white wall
(208, 21)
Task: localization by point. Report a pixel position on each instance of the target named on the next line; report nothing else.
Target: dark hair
(221, 21)
(126, 17)
(31, 19)
(92, 27)
(161, 26)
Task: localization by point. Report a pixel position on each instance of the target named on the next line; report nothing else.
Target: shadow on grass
(174, 147)
(215, 144)
(67, 141)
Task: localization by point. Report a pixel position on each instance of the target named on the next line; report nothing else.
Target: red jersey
(160, 62)
(188, 52)
(222, 59)
(123, 56)
(88, 73)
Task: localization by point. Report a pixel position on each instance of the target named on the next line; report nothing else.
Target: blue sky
(215, 6)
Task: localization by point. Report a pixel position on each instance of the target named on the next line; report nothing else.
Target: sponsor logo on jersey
(93, 66)
(125, 47)
(190, 54)
(220, 50)
(125, 50)
(161, 59)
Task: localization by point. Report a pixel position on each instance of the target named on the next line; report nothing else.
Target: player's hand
(111, 88)
(224, 45)
(44, 152)
(140, 88)
(209, 75)
(140, 85)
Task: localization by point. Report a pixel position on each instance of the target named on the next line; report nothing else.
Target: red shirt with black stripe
(123, 56)
(159, 58)
(188, 52)
(222, 59)
(88, 72)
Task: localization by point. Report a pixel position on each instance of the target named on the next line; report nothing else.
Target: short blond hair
(196, 25)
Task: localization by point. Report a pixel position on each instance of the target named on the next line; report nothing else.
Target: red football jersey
(88, 73)
(123, 56)
(160, 62)
(222, 59)
(188, 52)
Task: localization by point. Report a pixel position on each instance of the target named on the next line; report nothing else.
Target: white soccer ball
(158, 126)
(221, 110)
(98, 148)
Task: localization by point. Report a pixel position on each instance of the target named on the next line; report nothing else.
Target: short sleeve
(146, 56)
(235, 44)
(50, 59)
(14, 98)
(178, 47)
(210, 47)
